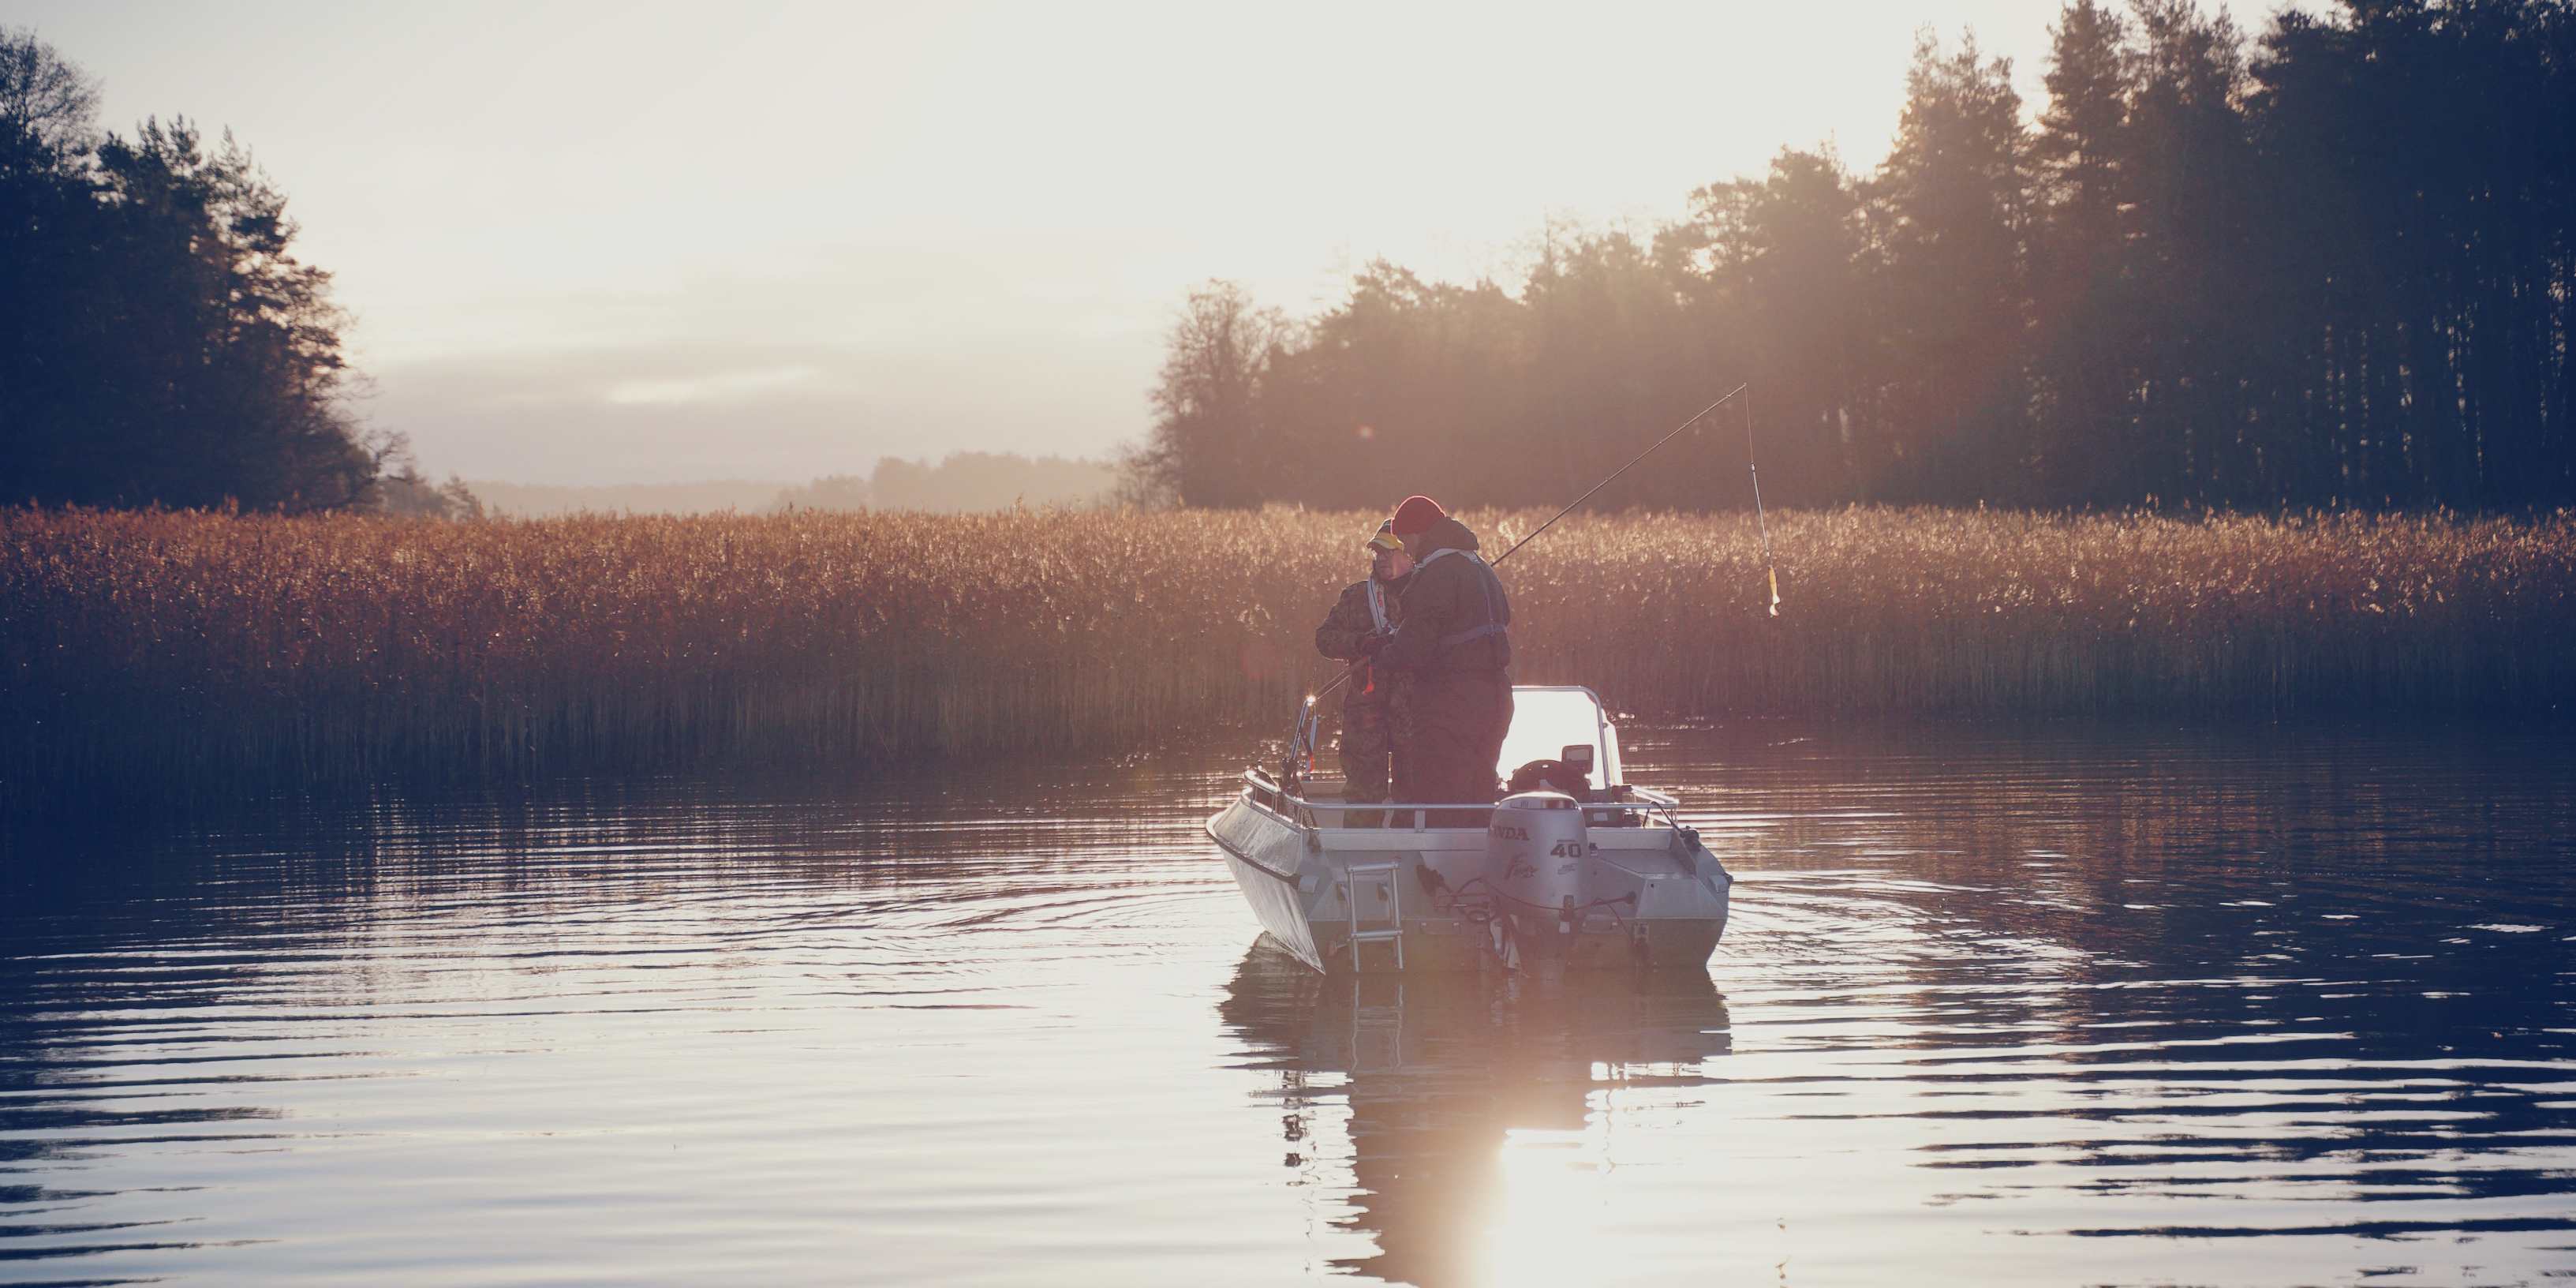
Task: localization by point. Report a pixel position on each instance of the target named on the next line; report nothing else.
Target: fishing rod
(1306, 713)
(1614, 474)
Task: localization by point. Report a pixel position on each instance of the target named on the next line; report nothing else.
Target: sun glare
(1547, 1230)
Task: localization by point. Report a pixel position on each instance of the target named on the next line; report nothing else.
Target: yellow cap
(1385, 539)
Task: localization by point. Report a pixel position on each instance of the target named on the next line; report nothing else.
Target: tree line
(2332, 266)
(159, 341)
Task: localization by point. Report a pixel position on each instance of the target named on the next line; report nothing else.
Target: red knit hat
(1417, 513)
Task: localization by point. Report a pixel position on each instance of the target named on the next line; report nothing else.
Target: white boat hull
(1653, 896)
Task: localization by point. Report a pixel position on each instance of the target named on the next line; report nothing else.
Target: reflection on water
(2123, 1005)
(1434, 1073)
(2254, 1007)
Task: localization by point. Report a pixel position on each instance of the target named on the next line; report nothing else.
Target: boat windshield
(1547, 719)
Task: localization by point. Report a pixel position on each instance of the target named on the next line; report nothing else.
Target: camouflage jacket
(1352, 617)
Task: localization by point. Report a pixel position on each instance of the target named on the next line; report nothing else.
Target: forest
(160, 343)
(2095, 409)
(2330, 266)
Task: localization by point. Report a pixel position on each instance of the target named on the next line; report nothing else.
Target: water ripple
(1999, 1006)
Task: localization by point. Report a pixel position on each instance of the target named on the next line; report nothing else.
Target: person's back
(1454, 643)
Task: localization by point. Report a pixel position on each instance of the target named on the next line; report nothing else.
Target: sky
(649, 242)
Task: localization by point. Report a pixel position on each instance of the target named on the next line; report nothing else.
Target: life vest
(1487, 583)
(1377, 615)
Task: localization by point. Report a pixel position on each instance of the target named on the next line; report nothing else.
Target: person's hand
(1373, 641)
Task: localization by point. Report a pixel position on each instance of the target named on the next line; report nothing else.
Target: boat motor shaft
(1535, 847)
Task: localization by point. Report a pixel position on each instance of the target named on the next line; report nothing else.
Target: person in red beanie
(1453, 641)
(1417, 513)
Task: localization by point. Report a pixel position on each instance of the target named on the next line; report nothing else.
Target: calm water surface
(2135, 1005)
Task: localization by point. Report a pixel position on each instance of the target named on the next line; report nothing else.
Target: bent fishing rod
(1614, 474)
(1354, 668)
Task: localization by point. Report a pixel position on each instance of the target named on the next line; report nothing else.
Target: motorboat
(1563, 875)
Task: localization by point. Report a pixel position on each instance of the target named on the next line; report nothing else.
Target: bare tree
(43, 99)
(1208, 446)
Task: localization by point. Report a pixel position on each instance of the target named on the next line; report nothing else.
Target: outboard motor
(1534, 853)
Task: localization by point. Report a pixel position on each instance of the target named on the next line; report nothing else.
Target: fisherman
(1452, 642)
(1361, 622)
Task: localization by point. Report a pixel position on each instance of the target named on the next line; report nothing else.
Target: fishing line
(1614, 474)
(1773, 574)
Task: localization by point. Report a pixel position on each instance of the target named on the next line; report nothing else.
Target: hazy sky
(661, 242)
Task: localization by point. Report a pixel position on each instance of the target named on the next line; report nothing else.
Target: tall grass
(175, 646)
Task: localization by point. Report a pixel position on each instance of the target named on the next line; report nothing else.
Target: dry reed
(171, 646)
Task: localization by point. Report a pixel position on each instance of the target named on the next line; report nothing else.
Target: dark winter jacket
(1454, 612)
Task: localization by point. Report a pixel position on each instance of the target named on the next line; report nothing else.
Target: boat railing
(1269, 793)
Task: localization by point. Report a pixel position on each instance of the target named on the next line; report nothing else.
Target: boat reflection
(1430, 1072)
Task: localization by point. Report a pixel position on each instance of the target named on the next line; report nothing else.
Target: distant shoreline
(193, 647)
(958, 483)
(550, 500)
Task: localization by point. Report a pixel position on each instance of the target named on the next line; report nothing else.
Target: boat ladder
(1388, 889)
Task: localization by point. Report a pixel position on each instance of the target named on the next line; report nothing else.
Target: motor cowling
(1535, 849)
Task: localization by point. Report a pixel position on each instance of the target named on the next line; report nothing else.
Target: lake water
(1999, 1006)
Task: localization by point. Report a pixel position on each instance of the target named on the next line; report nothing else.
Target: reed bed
(183, 646)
